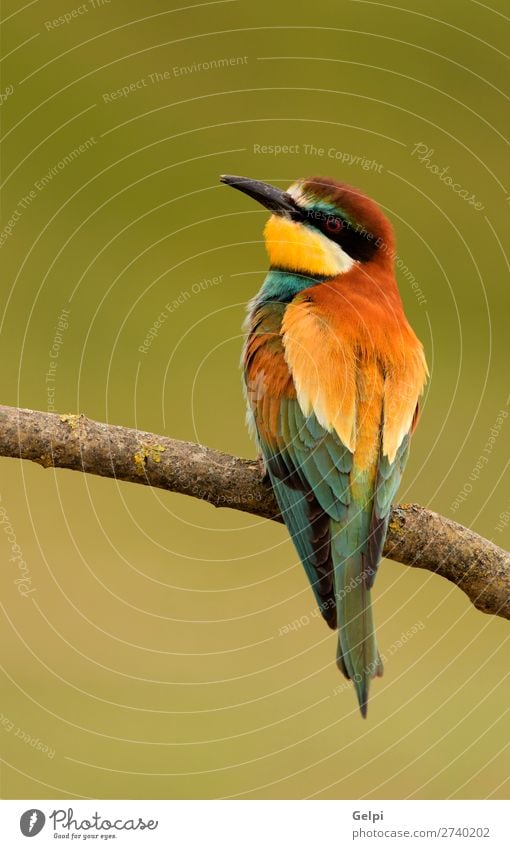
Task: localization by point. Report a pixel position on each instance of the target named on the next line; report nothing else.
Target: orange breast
(355, 361)
(267, 375)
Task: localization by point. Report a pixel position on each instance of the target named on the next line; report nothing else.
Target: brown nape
(361, 209)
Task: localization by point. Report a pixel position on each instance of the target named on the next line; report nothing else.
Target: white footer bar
(256, 824)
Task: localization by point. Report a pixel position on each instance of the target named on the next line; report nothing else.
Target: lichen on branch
(416, 536)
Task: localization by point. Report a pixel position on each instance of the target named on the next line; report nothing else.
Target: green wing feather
(388, 481)
(309, 472)
(339, 539)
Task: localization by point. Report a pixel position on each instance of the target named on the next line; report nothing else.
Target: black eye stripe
(357, 242)
(334, 225)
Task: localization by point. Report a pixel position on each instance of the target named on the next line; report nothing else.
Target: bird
(333, 374)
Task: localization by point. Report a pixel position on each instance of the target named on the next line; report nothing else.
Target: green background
(148, 656)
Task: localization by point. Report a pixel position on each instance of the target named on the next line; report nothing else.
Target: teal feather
(294, 508)
(388, 481)
(314, 464)
(337, 529)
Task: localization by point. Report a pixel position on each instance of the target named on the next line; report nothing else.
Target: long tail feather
(357, 655)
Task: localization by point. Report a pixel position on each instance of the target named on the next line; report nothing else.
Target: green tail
(357, 654)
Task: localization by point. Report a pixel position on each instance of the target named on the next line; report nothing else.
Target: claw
(264, 474)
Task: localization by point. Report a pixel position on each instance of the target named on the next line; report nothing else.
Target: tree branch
(416, 536)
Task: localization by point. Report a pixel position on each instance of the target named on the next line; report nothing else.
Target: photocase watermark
(305, 620)
(371, 668)
(35, 743)
(66, 160)
(219, 500)
(65, 821)
(482, 461)
(6, 93)
(424, 154)
(23, 581)
(341, 156)
(212, 65)
(411, 279)
(75, 14)
(175, 304)
(503, 519)
(93, 826)
(54, 353)
(32, 822)
(40, 184)
(173, 73)
(383, 247)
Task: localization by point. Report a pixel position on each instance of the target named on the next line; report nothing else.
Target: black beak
(278, 201)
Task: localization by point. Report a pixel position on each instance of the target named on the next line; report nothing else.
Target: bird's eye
(334, 225)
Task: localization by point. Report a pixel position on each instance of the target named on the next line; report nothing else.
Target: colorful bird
(333, 373)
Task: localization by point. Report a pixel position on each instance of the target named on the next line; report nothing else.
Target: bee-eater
(333, 373)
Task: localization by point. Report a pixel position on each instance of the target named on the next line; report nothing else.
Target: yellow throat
(295, 247)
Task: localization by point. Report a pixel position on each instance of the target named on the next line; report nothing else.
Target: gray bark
(416, 537)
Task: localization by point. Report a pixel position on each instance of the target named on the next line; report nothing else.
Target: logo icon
(32, 822)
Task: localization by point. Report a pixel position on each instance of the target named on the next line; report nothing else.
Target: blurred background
(152, 657)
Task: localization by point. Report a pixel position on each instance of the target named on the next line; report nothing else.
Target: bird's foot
(264, 474)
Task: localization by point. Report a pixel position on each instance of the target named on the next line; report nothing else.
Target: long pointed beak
(276, 200)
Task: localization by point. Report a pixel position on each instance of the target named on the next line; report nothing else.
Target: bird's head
(319, 227)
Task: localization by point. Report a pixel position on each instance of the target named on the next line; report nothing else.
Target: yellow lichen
(44, 460)
(72, 419)
(396, 528)
(147, 452)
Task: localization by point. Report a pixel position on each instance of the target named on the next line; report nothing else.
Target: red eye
(334, 225)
